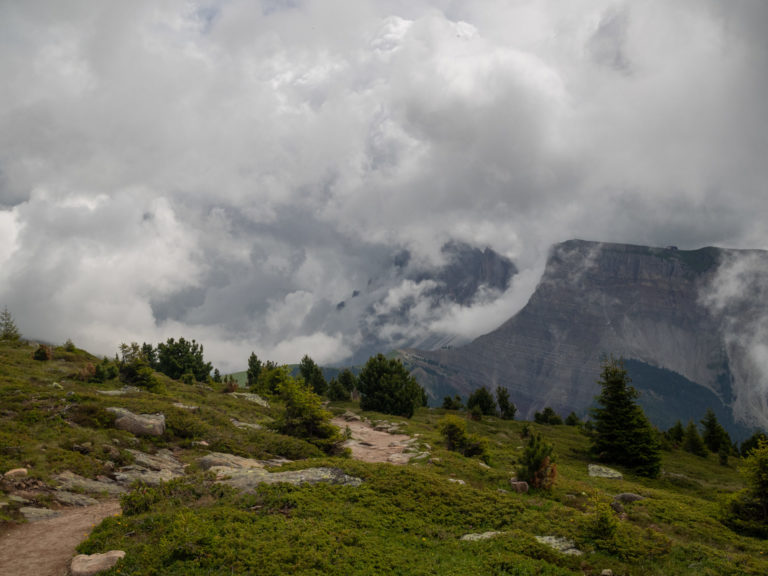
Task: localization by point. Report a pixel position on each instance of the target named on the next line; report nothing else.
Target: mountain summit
(691, 325)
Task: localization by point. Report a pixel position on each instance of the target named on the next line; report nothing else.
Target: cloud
(736, 295)
(234, 170)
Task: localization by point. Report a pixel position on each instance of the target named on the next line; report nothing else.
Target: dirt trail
(46, 547)
(371, 445)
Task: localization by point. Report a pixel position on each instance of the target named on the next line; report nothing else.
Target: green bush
(483, 399)
(43, 353)
(747, 510)
(91, 416)
(386, 386)
(454, 432)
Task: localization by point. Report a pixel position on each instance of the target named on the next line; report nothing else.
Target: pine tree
(482, 398)
(507, 409)
(538, 466)
(714, 435)
(8, 330)
(692, 442)
(623, 434)
(254, 368)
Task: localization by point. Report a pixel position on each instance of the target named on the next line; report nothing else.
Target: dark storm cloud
(232, 171)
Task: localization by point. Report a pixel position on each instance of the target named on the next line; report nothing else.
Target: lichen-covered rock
(221, 459)
(139, 424)
(481, 536)
(247, 479)
(255, 398)
(597, 471)
(69, 481)
(90, 565)
(73, 499)
(562, 545)
(150, 468)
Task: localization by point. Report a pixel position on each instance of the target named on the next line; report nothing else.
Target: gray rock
(18, 499)
(36, 514)
(606, 572)
(120, 392)
(224, 460)
(457, 481)
(246, 479)
(150, 468)
(562, 545)
(255, 398)
(617, 506)
(626, 497)
(89, 565)
(185, 407)
(245, 425)
(139, 424)
(350, 416)
(73, 499)
(481, 536)
(519, 486)
(71, 481)
(597, 471)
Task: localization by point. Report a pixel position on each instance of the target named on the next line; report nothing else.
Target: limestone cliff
(664, 309)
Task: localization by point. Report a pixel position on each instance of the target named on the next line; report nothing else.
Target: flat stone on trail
(69, 480)
(36, 514)
(597, 471)
(90, 565)
(72, 499)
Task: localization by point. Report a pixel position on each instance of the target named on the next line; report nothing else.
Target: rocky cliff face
(665, 309)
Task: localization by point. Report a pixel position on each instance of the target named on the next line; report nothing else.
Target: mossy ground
(401, 520)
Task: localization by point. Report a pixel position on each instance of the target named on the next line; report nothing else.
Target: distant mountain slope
(699, 314)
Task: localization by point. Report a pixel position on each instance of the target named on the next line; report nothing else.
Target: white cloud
(285, 150)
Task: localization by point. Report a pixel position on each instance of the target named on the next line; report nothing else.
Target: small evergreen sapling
(8, 329)
(538, 466)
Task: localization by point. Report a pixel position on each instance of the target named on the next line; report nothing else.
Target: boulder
(16, 473)
(597, 471)
(519, 486)
(139, 424)
(457, 481)
(150, 468)
(119, 392)
(350, 416)
(181, 406)
(245, 425)
(89, 565)
(625, 497)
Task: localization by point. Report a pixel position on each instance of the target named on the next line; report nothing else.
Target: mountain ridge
(663, 307)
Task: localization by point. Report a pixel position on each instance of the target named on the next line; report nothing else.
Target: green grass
(401, 520)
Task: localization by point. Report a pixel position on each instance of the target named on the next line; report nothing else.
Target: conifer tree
(692, 442)
(714, 435)
(537, 466)
(507, 409)
(623, 434)
(8, 330)
(254, 369)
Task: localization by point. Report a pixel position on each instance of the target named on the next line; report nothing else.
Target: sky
(231, 170)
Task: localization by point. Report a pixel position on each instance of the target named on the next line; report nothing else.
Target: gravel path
(371, 445)
(46, 547)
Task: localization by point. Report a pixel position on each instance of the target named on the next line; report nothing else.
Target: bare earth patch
(45, 548)
(371, 445)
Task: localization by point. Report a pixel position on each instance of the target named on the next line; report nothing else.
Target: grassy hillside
(400, 520)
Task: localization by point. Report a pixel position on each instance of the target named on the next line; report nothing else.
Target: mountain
(691, 325)
(397, 307)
